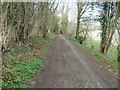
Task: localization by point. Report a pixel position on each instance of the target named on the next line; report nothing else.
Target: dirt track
(69, 66)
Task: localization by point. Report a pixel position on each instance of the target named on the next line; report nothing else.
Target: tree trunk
(103, 41)
(118, 58)
(4, 24)
(45, 19)
(118, 28)
(118, 48)
(78, 21)
(21, 23)
(104, 28)
(109, 42)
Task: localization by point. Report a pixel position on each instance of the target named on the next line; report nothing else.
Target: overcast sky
(73, 11)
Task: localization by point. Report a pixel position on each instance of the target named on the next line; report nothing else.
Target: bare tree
(18, 20)
(108, 28)
(81, 9)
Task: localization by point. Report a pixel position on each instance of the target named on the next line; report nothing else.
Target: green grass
(93, 42)
(112, 50)
(42, 42)
(23, 64)
(110, 61)
(19, 71)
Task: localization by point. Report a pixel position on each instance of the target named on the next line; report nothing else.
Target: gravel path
(69, 66)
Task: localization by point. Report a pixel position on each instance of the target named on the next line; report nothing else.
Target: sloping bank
(22, 62)
(102, 60)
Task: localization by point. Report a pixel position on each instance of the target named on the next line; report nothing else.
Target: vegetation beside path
(22, 62)
(110, 64)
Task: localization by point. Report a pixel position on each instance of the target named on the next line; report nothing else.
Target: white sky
(73, 11)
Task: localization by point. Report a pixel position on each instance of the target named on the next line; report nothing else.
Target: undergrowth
(21, 63)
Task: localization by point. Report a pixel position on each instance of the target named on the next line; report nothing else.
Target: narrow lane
(70, 67)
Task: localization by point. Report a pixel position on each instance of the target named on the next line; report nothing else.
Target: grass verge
(109, 61)
(22, 62)
(112, 51)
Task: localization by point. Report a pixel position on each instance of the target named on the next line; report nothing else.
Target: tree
(3, 15)
(45, 17)
(19, 21)
(83, 33)
(117, 16)
(108, 28)
(64, 18)
(81, 9)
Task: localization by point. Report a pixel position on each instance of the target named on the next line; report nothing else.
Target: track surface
(69, 66)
